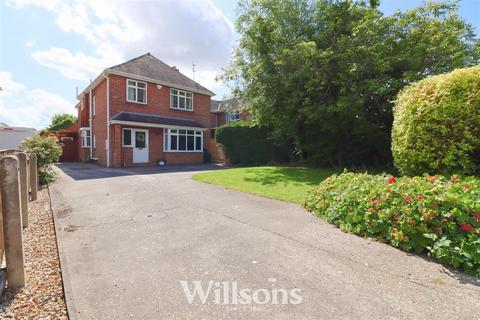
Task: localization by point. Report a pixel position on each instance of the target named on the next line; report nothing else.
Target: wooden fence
(18, 186)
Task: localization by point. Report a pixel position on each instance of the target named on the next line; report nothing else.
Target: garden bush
(248, 144)
(436, 126)
(48, 151)
(432, 214)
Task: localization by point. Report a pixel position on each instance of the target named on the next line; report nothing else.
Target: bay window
(179, 140)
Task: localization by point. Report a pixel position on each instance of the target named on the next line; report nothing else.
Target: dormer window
(182, 100)
(136, 91)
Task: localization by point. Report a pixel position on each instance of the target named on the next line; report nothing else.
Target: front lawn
(283, 183)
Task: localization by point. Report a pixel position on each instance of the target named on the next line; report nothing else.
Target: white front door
(140, 146)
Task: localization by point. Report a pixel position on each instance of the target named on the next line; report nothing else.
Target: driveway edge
(67, 288)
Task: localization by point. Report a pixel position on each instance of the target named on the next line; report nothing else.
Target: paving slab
(128, 237)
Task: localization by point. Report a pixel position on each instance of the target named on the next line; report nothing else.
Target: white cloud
(178, 32)
(30, 43)
(77, 65)
(20, 106)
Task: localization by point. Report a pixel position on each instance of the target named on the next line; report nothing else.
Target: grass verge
(282, 183)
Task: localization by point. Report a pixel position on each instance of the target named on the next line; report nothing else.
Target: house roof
(154, 120)
(150, 67)
(225, 105)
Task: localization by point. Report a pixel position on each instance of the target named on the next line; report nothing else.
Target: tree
(326, 73)
(61, 121)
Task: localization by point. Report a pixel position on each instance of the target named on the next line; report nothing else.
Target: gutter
(107, 142)
(155, 125)
(90, 122)
(107, 72)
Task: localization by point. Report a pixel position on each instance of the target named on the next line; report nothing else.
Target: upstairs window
(232, 117)
(182, 100)
(136, 91)
(85, 137)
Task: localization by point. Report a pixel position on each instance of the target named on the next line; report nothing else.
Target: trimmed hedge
(431, 214)
(436, 126)
(246, 144)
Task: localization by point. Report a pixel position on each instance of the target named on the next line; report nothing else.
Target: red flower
(477, 216)
(392, 180)
(455, 178)
(466, 188)
(466, 227)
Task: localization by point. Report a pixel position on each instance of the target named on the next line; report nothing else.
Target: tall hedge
(247, 144)
(436, 126)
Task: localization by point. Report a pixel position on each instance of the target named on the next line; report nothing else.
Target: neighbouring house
(12, 137)
(224, 112)
(142, 112)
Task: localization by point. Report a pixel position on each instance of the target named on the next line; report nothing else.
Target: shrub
(436, 126)
(429, 214)
(48, 151)
(248, 144)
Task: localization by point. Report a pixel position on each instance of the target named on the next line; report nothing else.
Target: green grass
(283, 183)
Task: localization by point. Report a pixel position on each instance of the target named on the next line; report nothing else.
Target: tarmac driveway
(127, 237)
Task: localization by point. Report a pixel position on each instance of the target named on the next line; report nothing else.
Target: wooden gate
(69, 143)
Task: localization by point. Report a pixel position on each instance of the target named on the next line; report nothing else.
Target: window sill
(183, 151)
(181, 109)
(143, 103)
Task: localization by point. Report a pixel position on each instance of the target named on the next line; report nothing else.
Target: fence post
(33, 177)
(12, 220)
(22, 164)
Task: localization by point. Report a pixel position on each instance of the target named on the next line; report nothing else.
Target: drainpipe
(107, 142)
(90, 122)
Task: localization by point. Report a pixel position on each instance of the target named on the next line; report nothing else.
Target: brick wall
(99, 122)
(158, 102)
(123, 156)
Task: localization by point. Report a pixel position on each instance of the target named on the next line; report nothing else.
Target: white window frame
(136, 88)
(131, 138)
(85, 137)
(167, 137)
(232, 116)
(177, 96)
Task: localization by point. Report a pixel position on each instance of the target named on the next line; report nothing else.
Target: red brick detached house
(141, 112)
(226, 112)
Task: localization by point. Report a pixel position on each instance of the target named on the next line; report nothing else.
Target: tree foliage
(61, 121)
(436, 126)
(325, 73)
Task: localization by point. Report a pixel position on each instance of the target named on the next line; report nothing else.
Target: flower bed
(433, 214)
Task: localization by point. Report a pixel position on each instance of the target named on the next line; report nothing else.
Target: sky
(48, 48)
